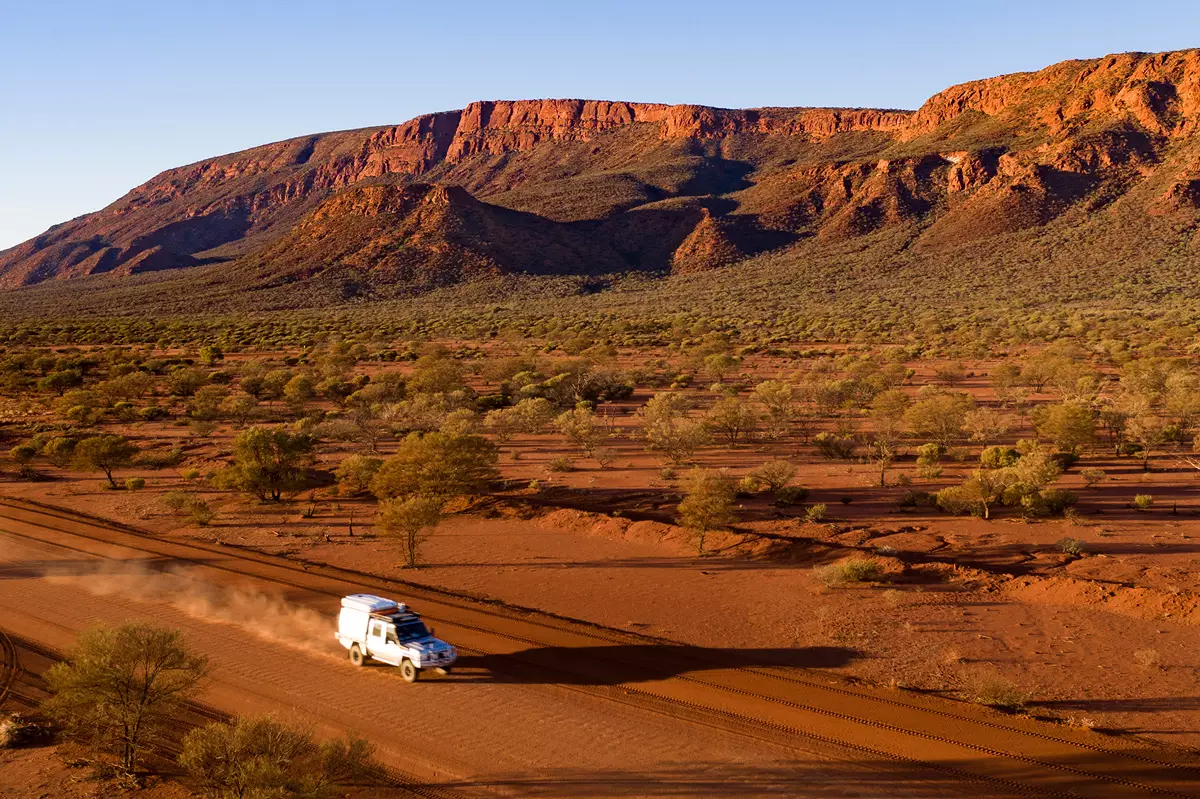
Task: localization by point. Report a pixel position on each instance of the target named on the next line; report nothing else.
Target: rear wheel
(408, 671)
(356, 655)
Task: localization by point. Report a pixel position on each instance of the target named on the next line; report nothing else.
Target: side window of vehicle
(376, 629)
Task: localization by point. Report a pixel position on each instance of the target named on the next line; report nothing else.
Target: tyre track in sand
(702, 686)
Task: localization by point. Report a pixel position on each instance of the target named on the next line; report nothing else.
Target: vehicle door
(382, 644)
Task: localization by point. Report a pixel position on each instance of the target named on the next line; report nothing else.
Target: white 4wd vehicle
(375, 628)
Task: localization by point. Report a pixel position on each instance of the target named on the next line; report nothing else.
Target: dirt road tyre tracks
(649, 700)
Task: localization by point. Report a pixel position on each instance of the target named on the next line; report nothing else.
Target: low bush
(850, 570)
(918, 499)
(1143, 501)
(791, 495)
(135, 483)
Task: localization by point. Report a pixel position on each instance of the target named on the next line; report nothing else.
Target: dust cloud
(269, 617)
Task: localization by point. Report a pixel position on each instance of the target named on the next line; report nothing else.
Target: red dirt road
(543, 706)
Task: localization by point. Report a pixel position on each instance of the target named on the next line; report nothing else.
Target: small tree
(1150, 432)
(731, 419)
(775, 475)
(929, 457)
(718, 365)
(707, 505)
(269, 462)
(1069, 425)
(105, 454)
(582, 429)
(881, 452)
(436, 465)
(354, 474)
(412, 520)
(939, 418)
(261, 758)
(120, 687)
(24, 454)
(778, 400)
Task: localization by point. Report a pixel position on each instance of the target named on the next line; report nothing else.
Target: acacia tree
(580, 427)
(436, 465)
(778, 399)
(105, 454)
(731, 418)
(1068, 425)
(939, 418)
(708, 503)
(120, 687)
(410, 519)
(269, 462)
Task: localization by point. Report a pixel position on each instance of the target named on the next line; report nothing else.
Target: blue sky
(96, 97)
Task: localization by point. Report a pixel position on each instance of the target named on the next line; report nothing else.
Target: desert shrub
(561, 464)
(1065, 460)
(998, 457)
(1091, 477)
(176, 500)
(928, 457)
(774, 475)
(256, 758)
(152, 413)
(60, 450)
(582, 429)
(850, 570)
(1070, 546)
(917, 499)
(791, 495)
(199, 512)
(134, 483)
(989, 688)
(834, 446)
(816, 512)
(159, 459)
(1143, 501)
(1049, 502)
(354, 474)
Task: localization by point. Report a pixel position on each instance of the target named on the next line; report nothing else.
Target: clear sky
(97, 96)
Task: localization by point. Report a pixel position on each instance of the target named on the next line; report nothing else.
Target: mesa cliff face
(575, 186)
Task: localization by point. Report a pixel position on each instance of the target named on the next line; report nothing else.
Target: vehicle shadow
(632, 663)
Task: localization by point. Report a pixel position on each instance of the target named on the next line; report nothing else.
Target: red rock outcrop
(626, 181)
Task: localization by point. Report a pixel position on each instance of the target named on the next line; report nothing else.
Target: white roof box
(369, 603)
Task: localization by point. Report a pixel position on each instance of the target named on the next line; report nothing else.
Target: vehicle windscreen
(411, 631)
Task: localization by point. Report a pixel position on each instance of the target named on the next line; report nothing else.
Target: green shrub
(1070, 546)
(135, 483)
(816, 512)
(834, 446)
(1143, 501)
(791, 495)
(918, 499)
(851, 570)
(562, 464)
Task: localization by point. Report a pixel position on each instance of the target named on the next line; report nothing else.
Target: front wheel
(408, 671)
(356, 655)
